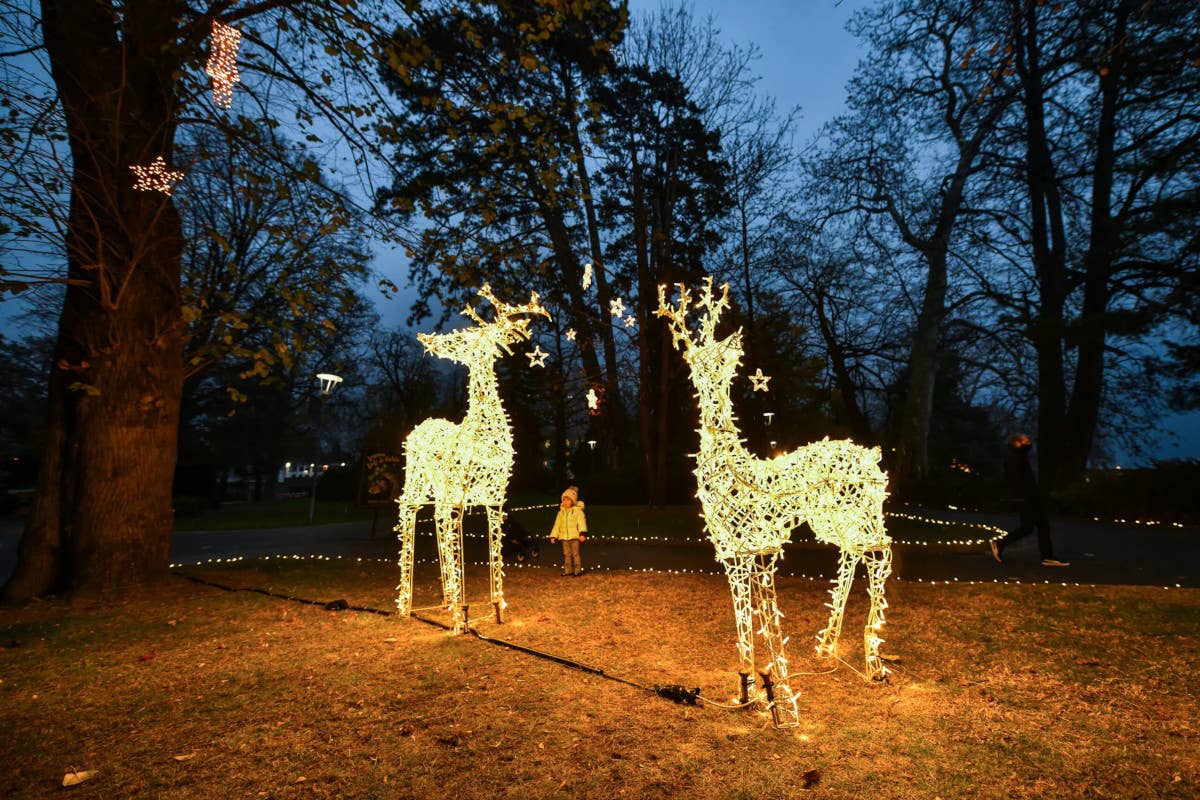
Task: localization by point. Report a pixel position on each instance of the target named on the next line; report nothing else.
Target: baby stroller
(516, 545)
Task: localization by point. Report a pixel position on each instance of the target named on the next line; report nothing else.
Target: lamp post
(328, 383)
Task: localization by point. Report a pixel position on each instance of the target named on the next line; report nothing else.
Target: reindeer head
(481, 343)
(704, 353)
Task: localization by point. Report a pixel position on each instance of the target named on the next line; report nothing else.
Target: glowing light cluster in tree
(456, 465)
(155, 177)
(751, 505)
(222, 62)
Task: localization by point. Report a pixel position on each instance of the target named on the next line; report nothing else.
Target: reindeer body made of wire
(751, 506)
(454, 466)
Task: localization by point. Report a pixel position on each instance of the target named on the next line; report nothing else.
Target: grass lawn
(1000, 691)
(289, 513)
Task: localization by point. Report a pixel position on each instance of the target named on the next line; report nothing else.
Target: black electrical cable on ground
(675, 693)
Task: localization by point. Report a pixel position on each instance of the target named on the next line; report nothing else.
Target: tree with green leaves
(663, 190)
(125, 78)
(493, 185)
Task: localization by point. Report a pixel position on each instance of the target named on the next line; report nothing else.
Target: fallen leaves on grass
(77, 777)
(415, 716)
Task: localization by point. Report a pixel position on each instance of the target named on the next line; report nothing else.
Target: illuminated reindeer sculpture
(454, 466)
(751, 505)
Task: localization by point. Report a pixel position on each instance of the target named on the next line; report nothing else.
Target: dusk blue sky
(806, 58)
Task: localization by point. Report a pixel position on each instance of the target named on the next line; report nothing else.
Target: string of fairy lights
(218, 561)
(222, 69)
(991, 532)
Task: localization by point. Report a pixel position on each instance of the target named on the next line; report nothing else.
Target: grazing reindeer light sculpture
(751, 505)
(454, 466)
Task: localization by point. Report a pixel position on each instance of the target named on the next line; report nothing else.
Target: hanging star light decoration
(452, 466)
(751, 505)
(630, 321)
(222, 62)
(155, 177)
(616, 307)
(587, 276)
(760, 381)
(571, 334)
(537, 358)
(592, 400)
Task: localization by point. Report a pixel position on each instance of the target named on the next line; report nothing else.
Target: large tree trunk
(1048, 240)
(662, 265)
(102, 519)
(912, 451)
(648, 298)
(755, 425)
(612, 389)
(848, 408)
(1083, 412)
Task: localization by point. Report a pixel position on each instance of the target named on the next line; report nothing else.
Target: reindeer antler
(708, 323)
(677, 317)
(506, 316)
(506, 310)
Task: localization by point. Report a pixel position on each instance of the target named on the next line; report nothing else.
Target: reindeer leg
(496, 561)
(827, 639)
(762, 587)
(879, 565)
(738, 571)
(450, 557)
(406, 529)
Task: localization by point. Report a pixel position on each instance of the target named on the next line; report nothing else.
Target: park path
(1100, 553)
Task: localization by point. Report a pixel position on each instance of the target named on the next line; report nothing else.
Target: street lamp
(329, 382)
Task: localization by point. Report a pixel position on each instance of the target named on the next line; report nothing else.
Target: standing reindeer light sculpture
(751, 505)
(456, 465)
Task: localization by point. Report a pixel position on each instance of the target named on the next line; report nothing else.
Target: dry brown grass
(1000, 691)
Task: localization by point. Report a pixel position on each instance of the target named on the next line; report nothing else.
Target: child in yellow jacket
(570, 528)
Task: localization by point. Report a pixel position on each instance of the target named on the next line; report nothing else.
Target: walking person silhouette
(1023, 488)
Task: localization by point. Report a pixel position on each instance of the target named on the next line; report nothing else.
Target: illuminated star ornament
(155, 177)
(616, 307)
(537, 358)
(760, 381)
(455, 465)
(751, 505)
(630, 321)
(593, 400)
(587, 276)
(571, 334)
(222, 62)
